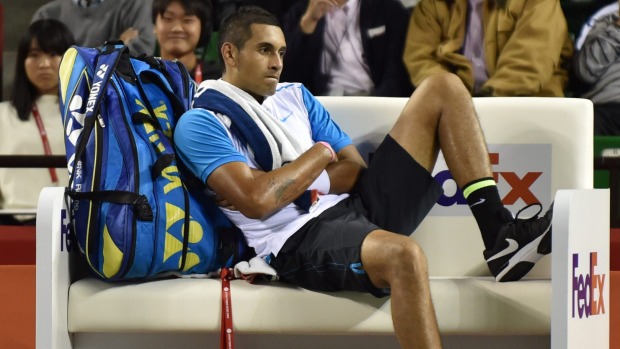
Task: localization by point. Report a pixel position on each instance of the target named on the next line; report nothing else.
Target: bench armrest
(53, 271)
(580, 269)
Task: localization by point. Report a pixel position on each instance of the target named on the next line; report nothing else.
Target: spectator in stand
(347, 47)
(587, 26)
(181, 26)
(94, 22)
(496, 47)
(277, 7)
(30, 122)
(597, 64)
(224, 8)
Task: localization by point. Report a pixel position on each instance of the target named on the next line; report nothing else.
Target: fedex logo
(522, 173)
(588, 298)
(66, 238)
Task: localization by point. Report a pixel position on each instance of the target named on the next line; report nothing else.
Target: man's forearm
(280, 187)
(343, 175)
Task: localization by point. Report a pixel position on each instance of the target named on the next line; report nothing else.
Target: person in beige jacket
(497, 47)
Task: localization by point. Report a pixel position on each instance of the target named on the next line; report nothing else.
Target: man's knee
(441, 82)
(434, 94)
(388, 257)
(408, 256)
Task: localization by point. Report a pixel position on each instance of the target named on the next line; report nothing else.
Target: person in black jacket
(347, 47)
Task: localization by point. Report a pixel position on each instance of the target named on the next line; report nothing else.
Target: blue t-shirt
(204, 142)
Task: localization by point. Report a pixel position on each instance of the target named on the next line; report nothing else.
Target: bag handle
(107, 61)
(104, 67)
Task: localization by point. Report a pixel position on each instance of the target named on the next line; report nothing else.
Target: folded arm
(257, 194)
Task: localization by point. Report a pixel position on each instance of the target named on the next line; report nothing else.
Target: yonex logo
(92, 97)
(102, 70)
(74, 126)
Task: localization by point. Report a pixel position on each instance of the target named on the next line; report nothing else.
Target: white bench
(541, 145)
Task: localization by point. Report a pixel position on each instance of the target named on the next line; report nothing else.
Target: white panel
(581, 270)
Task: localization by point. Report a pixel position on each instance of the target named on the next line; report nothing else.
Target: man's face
(259, 62)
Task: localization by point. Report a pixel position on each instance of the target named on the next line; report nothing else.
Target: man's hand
(315, 11)
(221, 202)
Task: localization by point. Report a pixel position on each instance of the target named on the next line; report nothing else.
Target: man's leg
(397, 262)
(440, 115)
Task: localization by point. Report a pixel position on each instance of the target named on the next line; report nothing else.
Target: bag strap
(107, 60)
(150, 77)
(227, 338)
(104, 67)
(140, 203)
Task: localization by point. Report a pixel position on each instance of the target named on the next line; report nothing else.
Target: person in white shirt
(30, 121)
(347, 47)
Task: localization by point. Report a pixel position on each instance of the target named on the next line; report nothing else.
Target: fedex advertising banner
(522, 173)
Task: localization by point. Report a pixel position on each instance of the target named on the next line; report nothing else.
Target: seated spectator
(30, 122)
(497, 47)
(93, 22)
(585, 29)
(181, 26)
(597, 64)
(340, 47)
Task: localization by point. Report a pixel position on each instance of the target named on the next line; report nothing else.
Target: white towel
(284, 146)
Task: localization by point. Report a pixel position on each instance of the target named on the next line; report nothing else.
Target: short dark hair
(236, 27)
(202, 9)
(52, 37)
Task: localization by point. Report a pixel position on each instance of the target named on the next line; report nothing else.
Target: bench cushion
(193, 305)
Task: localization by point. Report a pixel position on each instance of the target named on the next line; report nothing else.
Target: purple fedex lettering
(444, 200)
(585, 288)
(65, 233)
(519, 186)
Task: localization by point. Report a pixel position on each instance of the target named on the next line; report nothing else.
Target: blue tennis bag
(130, 208)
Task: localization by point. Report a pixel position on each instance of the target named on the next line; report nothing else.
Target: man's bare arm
(256, 194)
(344, 174)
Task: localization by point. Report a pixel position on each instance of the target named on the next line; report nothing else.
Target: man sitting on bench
(293, 182)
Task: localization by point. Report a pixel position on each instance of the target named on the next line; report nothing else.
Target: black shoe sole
(517, 272)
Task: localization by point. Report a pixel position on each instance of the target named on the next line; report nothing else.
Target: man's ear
(229, 54)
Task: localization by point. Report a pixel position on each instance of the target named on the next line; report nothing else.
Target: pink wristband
(331, 150)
